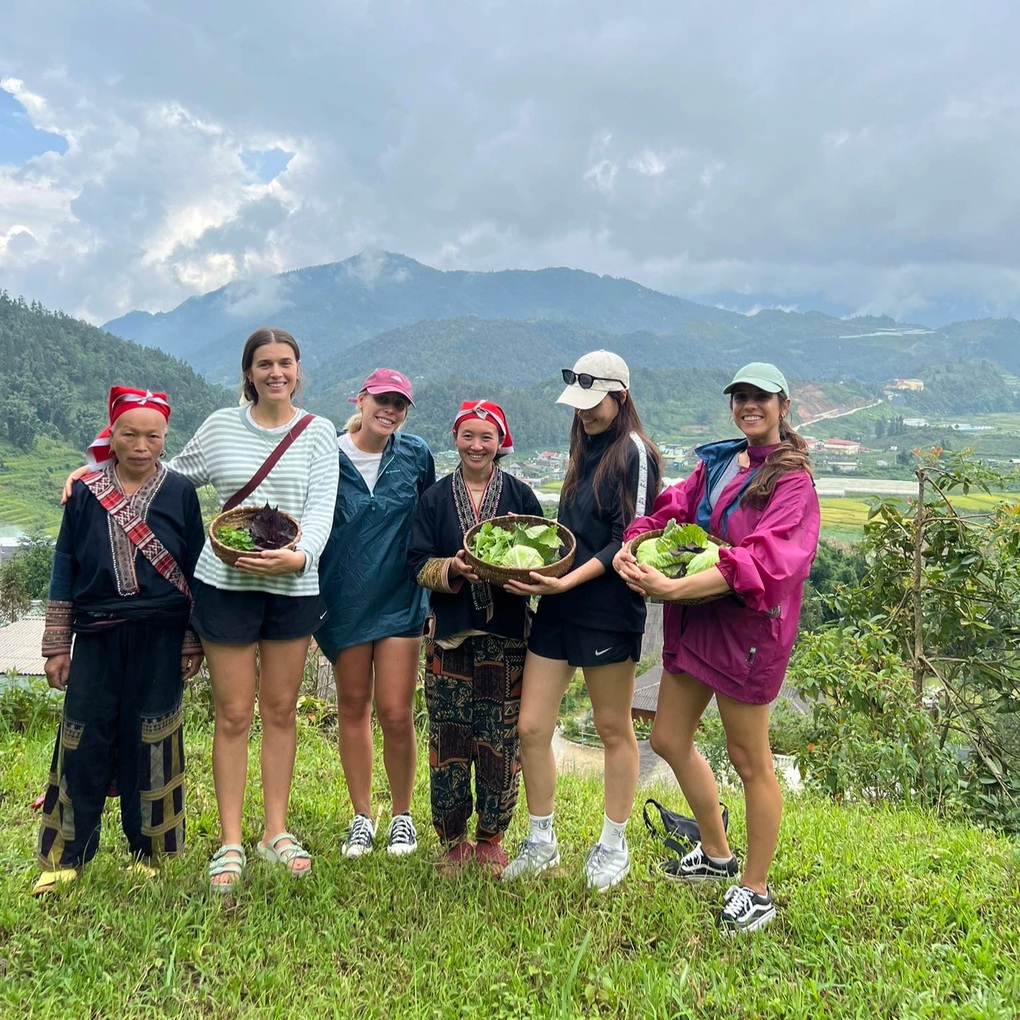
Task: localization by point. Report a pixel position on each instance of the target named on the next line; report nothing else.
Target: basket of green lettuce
(679, 550)
(509, 548)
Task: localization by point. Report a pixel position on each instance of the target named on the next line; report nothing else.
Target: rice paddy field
(843, 517)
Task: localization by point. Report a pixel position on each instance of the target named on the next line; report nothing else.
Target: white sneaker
(532, 859)
(403, 838)
(605, 866)
(359, 837)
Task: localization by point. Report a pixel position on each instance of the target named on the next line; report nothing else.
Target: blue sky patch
(19, 138)
(266, 163)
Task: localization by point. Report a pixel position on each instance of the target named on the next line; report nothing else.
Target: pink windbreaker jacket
(741, 647)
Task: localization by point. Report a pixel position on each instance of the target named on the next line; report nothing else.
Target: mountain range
(519, 327)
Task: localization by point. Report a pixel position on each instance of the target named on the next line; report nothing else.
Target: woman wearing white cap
(376, 612)
(588, 618)
(757, 493)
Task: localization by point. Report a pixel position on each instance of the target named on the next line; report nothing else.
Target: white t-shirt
(366, 463)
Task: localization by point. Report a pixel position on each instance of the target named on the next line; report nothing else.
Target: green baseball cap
(761, 374)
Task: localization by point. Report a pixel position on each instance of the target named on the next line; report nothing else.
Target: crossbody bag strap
(268, 464)
(116, 504)
(641, 506)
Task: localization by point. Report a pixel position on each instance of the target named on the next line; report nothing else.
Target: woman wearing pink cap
(372, 634)
(756, 492)
(474, 654)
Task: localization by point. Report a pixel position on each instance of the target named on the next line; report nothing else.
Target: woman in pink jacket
(756, 494)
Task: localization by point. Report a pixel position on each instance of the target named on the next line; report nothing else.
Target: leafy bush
(933, 661)
(868, 738)
(26, 703)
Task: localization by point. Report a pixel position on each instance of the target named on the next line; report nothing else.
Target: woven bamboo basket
(500, 575)
(239, 518)
(683, 602)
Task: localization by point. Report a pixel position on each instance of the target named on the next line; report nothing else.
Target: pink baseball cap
(387, 380)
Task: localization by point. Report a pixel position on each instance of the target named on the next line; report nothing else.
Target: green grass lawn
(883, 913)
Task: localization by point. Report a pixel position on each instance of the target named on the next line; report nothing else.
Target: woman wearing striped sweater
(255, 618)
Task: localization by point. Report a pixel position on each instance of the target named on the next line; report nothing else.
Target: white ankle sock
(613, 833)
(542, 829)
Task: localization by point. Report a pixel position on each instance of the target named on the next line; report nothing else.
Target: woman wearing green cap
(757, 494)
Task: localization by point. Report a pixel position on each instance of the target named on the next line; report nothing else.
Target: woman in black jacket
(474, 652)
(589, 618)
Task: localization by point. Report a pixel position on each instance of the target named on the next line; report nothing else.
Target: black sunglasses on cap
(586, 381)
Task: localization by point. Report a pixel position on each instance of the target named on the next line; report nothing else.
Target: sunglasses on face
(586, 381)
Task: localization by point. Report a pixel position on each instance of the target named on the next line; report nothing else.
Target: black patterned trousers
(122, 723)
(473, 694)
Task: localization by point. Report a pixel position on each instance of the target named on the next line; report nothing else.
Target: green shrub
(868, 737)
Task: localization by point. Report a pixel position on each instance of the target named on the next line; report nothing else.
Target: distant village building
(916, 423)
(847, 447)
(9, 545)
(843, 467)
(910, 385)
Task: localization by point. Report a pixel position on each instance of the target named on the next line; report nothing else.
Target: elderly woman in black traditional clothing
(474, 654)
(121, 584)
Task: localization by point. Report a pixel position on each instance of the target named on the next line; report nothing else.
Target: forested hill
(57, 373)
(382, 308)
(330, 308)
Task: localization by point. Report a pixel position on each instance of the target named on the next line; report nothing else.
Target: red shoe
(492, 858)
(456, 858)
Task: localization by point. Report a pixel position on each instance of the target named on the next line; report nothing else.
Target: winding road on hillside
(826, 415)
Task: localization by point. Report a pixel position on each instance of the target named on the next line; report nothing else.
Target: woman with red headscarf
(474, 652)
(123, 570)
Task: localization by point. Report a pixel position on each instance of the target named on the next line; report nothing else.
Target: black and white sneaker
(745, 910)
(697, 866)
(403, 838)
(359, 837)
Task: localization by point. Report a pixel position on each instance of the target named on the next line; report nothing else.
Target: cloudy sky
(855, 155)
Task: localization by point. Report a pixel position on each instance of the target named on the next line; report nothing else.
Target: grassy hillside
(30, 483)
(883, 913)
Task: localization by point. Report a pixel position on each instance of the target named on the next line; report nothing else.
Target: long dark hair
(790, 455)
(616, 460)
(261, 337)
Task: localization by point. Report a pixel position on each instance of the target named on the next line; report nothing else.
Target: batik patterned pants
(121, 726)
(473, 694)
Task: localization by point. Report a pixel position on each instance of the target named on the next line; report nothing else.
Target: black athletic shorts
(582, 646)
(243, 617)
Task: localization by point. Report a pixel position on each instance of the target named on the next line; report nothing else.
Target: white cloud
(865, 152)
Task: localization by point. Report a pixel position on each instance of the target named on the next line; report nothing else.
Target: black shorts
(582, 646)
(227, 617)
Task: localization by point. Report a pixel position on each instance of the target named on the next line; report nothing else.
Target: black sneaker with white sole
(697, 866)
(403, 838)
(745, 910)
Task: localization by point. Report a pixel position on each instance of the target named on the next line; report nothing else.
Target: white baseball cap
(592, 377)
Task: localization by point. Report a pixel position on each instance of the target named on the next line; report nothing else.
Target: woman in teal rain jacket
(372, 633)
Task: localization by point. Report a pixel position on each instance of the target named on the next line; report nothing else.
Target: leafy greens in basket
(681, 549)
(517, 546)
(268, 529)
